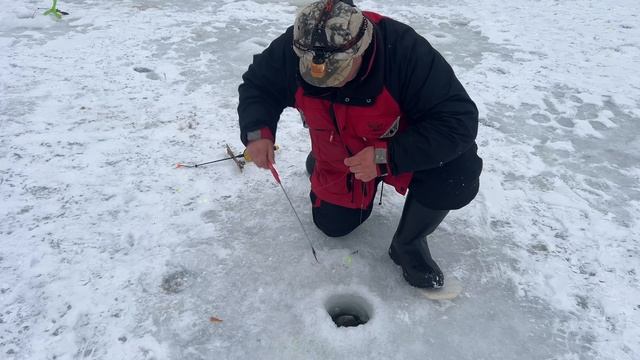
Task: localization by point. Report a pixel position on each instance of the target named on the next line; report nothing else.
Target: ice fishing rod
(245, 157)
(274, 172)
(240, 159)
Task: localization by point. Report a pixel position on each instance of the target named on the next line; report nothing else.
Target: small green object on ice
(54, 10)
(349, 259)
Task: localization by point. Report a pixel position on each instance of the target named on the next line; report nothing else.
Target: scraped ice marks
(145, 7)
(541, 118)
(30, 17)
(188, 121)
(256, 13)
(44, 192)
(565, 122)
(589, 269)
(584, 339)
(252, 45)
(600, 118)
(500, 225)
(210, 217)
(581, 112)
(59, 328)
(177, 281)
(545, 181)
(27, 14)
(442, 37)
(87, 332)
(538, 248)
(447, 32)
(559, 112)
(556, 120)
(587, 111)
(150, 74)
(512, 181)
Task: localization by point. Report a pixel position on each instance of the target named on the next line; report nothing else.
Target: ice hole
(348, 310)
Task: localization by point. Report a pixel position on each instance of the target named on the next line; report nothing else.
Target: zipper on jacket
(350, 186)
(350, 178)
(332, 113)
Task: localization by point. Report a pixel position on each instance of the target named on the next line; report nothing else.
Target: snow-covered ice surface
(109, 252)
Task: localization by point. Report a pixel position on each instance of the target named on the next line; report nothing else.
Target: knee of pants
(334, 227)
(334, 220)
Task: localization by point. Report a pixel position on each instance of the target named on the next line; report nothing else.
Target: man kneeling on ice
(381, 105)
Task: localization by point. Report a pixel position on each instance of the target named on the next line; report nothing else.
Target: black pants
(335, 220)
(449, 187)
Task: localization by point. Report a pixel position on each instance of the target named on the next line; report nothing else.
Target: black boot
(310, 163)
(409, 247)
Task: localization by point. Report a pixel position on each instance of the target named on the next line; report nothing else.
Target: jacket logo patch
(392, 130)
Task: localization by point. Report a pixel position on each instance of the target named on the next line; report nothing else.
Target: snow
(109, 252)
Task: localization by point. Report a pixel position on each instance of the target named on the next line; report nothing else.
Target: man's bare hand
(261, 152)
(363, 164)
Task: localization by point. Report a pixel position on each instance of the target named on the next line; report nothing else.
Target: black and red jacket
(405, 99)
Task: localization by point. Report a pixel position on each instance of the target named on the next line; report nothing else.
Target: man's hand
(363, 164)
(261, 152)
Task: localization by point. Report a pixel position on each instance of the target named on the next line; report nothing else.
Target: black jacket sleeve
(443, 119)
(268, 86)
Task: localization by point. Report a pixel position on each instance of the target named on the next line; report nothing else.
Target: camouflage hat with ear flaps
(327, 52)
